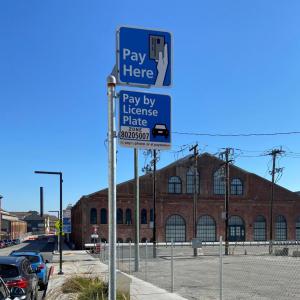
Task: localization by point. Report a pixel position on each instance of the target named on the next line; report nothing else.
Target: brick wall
(254, 201)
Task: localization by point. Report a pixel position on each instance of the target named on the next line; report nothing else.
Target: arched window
(128, 219)
(143, 216)
(174, 185)
(175, 229)
(103, 216)
(206, 229)
(280, 228)
(236, 229)
(119, 216)
(298, 229)
(190, 181)
(260, 229)
(236, 187)
(219, 182)
(93, 216)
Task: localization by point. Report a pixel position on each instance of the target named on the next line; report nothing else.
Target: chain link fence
(249, 271)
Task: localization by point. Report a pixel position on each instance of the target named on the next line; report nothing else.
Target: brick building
(249, 206)
(11, 226)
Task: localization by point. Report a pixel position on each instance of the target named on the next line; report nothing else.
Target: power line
(236, 134)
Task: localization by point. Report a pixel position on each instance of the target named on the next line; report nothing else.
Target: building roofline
(184, 159)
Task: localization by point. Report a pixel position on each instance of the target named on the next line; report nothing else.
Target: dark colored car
(37, 263)
(2, 245)
(16, 241)
(17, 272)
(160, 129)
(4, 291)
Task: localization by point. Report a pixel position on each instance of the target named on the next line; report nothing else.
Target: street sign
(67, 228)
(144, 57)
(66, 213)
(145, 120)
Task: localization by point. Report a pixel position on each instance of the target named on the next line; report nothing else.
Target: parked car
(16, 241)
(2, 244)
(37, 263)
(17, 272)
(4, 291)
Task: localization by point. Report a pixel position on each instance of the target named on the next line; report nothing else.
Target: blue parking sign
(144, 57)
(144, 120)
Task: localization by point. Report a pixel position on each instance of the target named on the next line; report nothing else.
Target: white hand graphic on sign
(162, 66)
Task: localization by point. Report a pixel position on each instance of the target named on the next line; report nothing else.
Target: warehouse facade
(249, 206)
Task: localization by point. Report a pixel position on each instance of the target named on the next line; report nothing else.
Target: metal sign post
(111, 84)
(137, 212)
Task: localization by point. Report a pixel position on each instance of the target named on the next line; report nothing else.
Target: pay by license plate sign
(144, 120)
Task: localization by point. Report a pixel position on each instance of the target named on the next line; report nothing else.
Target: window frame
(94, 216)
(190, 181)
(218, 185)
(173, 185)
(236, 187)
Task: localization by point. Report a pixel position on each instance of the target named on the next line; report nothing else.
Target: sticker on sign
(144, 120)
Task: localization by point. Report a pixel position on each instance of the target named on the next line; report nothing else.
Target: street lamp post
(60, 214)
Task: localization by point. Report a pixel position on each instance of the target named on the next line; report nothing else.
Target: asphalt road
(43, 246)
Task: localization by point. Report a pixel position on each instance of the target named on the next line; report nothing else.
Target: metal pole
(41, 201)
(137, 212)
(129, 258)
(146, 257)
(221, 269)
(118, 255)
(195, 197)
(226, 200)
(274, 153)
(154, 204)
(60, 224)
(172, 267)
(195, 149)
(111, 85)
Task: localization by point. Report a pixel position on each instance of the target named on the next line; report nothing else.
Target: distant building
(37, 224)
(11, 226)
(249, 206)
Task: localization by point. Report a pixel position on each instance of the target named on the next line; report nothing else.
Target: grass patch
(89, 289)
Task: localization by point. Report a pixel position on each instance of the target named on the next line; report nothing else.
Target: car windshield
(7, 271)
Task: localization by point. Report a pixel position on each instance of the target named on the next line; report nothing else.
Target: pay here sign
(144, 57)
(145, 120)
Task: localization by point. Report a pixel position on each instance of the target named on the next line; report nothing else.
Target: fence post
(146, 257)
(118, 255)
(130, 258)
(221, 268)
(122, 251)
(172, 267)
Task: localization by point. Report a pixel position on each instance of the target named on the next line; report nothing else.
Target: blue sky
(236, 70)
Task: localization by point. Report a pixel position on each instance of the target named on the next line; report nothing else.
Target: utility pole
(195, 150)
(154, 203)
(227, 154)
(274, 153)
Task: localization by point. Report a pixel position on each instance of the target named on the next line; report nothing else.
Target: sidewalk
(81, 263)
